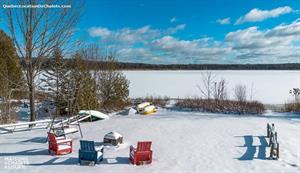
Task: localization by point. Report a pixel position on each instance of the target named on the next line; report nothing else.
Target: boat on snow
(145, 108)
(140, 107)
(149, 110)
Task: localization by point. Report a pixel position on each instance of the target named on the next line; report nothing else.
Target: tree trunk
(32, 100)
(57, 102)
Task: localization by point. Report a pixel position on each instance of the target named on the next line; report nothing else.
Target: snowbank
(183, 142)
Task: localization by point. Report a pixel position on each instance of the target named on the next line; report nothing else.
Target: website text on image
(36, 6)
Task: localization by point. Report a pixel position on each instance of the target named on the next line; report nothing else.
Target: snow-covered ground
(269, 87)
(183, 142)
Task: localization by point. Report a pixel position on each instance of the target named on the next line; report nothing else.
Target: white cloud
(224, 21)
(125, 35)
(278, 43)
(131, 36)
(198, 49)
(292, 29)
(99, 31)
(174, 19)
(175, 29)
(257, 15)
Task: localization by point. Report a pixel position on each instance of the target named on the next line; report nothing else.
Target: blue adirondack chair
(89, 152)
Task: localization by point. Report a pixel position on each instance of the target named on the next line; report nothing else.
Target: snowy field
(270, 87)
(183, 142)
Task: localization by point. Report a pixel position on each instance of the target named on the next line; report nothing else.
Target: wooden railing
(10, 128)
(273, 142)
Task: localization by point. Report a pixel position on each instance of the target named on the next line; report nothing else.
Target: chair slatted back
(87, 145)
(52, 138)
(144, 146)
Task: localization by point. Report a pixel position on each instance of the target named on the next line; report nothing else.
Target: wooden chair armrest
(64, 141)
(60, 138)
(144, 152)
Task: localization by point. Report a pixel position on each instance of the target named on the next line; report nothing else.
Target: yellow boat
(140, 107)
(149, 110)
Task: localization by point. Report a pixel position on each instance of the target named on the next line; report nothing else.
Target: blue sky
(190, 31)
(199, 16)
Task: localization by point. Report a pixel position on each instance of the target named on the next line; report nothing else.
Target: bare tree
(295, 92)
(252, 92)
(206, 88)
(220, 91)
(37, 31)
(240, 93)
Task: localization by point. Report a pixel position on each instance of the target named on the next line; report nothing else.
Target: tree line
(95, 64)
(141, 66)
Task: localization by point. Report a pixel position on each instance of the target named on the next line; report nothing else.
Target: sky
(194, 31)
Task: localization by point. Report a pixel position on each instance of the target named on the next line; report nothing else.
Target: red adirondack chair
(59, 145)
(142, 154)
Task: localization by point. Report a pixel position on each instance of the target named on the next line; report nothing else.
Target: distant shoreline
(140, 66)
(209, 69)
(94, 64)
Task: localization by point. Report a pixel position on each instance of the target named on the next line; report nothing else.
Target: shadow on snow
(251, 149)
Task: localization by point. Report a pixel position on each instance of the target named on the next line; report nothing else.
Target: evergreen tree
(10, 74)
(112, 86)
(80, 86)
(53, 79)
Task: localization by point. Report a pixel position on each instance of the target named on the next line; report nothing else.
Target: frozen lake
(271, 87)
